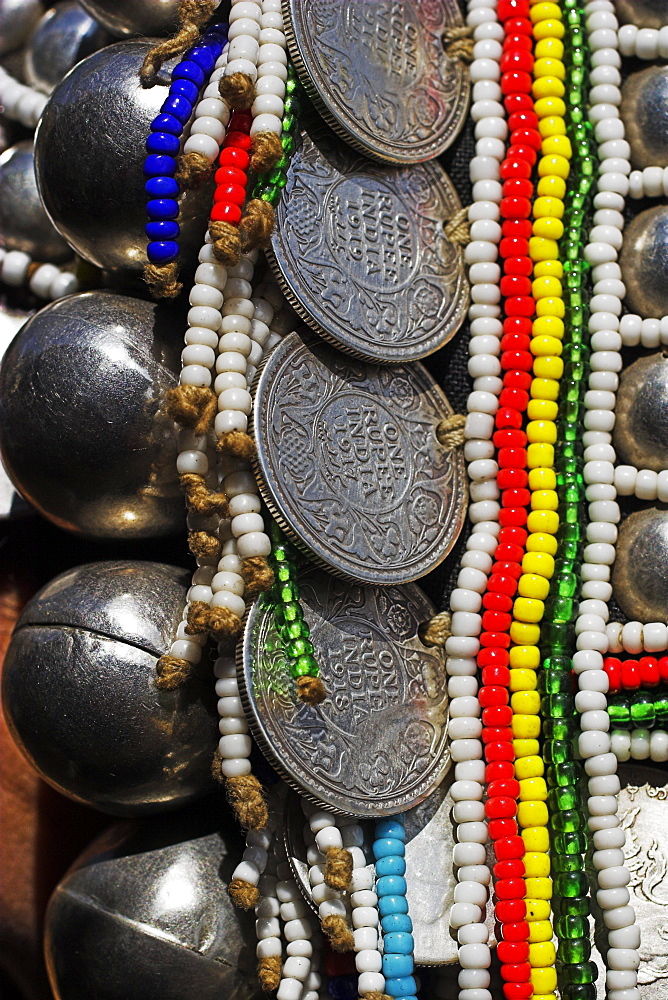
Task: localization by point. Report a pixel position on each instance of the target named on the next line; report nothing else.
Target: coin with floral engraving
(349, 463)
(362, 252)
(377, 744)
(385, 74)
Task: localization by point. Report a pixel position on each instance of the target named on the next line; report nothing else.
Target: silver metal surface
(640, 573)
(359, 250)
(82, 433)
(89, 155)
(12, 504)
(379, 74)
(79, 690)
(17, 19)
(644, 111)
(145, 915)
(640, 436)
(65, 35)
(135, 17)
(644, 263)
(377, 744)
(24, 225)
(643, 13)
(349, 463)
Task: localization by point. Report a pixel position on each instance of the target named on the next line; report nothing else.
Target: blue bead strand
(164, 142)
(389, 851)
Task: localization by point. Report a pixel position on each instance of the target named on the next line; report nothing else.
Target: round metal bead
(80, 695)
(643, 13)
(83, 434)
(135, 17)
(641, 414)
(17, 19)
(644, 111)
(644, 263)
(64, 36)
(24, 225)
(640, 574)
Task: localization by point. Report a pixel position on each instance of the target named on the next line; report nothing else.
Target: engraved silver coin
(379, 73)
(349, 463)
(377, 744)
(361, 253)
(640, 572)
(640, 435)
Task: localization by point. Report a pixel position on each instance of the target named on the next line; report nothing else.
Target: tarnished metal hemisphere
(144, 914)
(643, 13)
(135, 17)
(644, 263)
(640, 436)
(83, 432)
(644, 111)
(640, 573)
(89, 156)
(80, 696)
(17, 19)
(65, 35)
(24, 225)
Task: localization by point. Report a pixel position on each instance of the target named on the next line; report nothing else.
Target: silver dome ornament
(144, 914)
(640, 436)
(83, 432)
(24, 225)
(642, 13)
(17, 19)
(80, 696)
(640, 573)
(644, 263)
(644, 111)
(65, 35)
(89, 161)
(135, 17)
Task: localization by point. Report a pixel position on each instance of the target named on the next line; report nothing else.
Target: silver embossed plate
(360, 251)
(378, 72)
(377, 744)
(349, 463)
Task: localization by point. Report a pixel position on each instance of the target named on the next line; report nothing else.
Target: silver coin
(377, 744)
(379, 73)
(350, 465)
(640, 435)
(640, 572)
(360, 251)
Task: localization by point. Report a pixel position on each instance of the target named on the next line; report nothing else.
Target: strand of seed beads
(333, 904)
(207, 131)
(594, 742)
(636, 637)
(389, 850)
(643, 43)
(244, 885)
(46, 281)
(631, 673)
(365, 921)
(299, 978)
(20, 103)
(269, 948)
(651, 182)
(230, 193)
(237, 83)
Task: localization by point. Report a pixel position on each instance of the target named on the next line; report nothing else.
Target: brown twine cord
(265, 151)
(162, 280)
(198, 617)
(436, 631)
(192, 406)
(243, 894)
(226, 242)
(256, 225)
(237, 443)
(223, 625)
(311, 690)
(457, 228)
(338, 868)
(269, 972)
(199, 497)
(244, 794)
(238, 90)
(204, 545)
(458, 43)
(258, 575)
(172, 671)
(216, 762)
(193, 169)
(375, 995)
(193, 15)
(450, 431)
(337, 932)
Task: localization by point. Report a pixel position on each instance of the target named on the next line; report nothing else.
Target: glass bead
(571, 927)
(575, 951)
(580, 991)
(564, 797)
(563, 774)
(557, 751)
(566, 862)
(305, 666)
(568, 821)
(570, 884)
(573, 842)
(643, 713)
(580, 972)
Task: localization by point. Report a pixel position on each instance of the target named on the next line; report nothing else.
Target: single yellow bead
(544, 10)
(533, 789)
(551, 126)
(525, 748)
(524, 658)
(540, 930)
(536, 838)
(541, 542)
(551, 187)
(546, 67)
(529, 767)
(542, 409)
(550, 107)
(542, 346)
(552, 267)
(543, 249)
(553, 164)
(544, 500)
(545, 388)
(524, 633)
(538, 909)
(548, 206)
(522, 680)
(543, 996)
(542, 955)
(525, 703)
(551, 307)
(533, 586)
(541, 430)
(548, 227)
(525, 727)
(548, 367)
(549, 48)
(548, 29)
(544, 980)
(542, 479)
(526, 609)
(543, 520)
(540, 456)
(549, 326)
(547, 86)
(537, 864)
(557, 145)
(537, 888)
(544, 287)
(538, 562)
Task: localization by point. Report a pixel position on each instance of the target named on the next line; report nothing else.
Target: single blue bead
(188, 70)
(386, 846)
(392, 904)
(162, 252)
(177, 106)
(396, 922)
(398, 943)
(390, 865)
(220, 28)
(203, 57)
(184, 88)
(162, 187)
(167, 123)
(343, 987)
(215, 45)
(391, 885)
(166, 229)
(401, 987)
(156, 165)
(397, 966)
(162, 208)
(163, 142)
(390, 827)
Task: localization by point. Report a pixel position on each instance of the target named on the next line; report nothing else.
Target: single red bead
(516, 498)
(649, 670)
(518, 379)
(514, 284)
(513, 536)
(518, 43)
(517, 398)
(511, 438)
(497, 659)
(519, 25)
(223, 211)
(518, 324)
(509, 552)
(231, 175)
(511, 847)
(499, 639)
(489, 695)
(513, 868)
(510, 10)
(527, 152)
(240, 140)
(512, 952)
(517, 187)
(512, 458)
(630, 675)
(511, 478)
(513, 516)
(507, 569)
(500, 751)
(506, 417)
(497, 715)
(522, 119)
(496, 602)
(510, 910)
(339, 964)
(514, 342)
(520, 229)
(511, 247)
(496, 675)
(500, 807)
(499, 770)
(518, 102)
(502, 584)
(234, 193)
(510, 888)
(515, 82)
(518, 991)
(496, 621)
(514, 167)
(519, 973)
(518, 265)
(233, 157)
(663, 669)
(240, 120)
(521, 305)
(517, 359)
(508, 787)
(514, 207)
(613, 668)
(516, 931)
(516, 58)
(526, 137)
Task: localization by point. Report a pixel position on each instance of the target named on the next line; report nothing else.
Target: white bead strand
(366, 933)
(267, 108)
(46, 281)
(21, 103)
(212, 114)
(329, 841)
(298, 976)
(244, 43)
